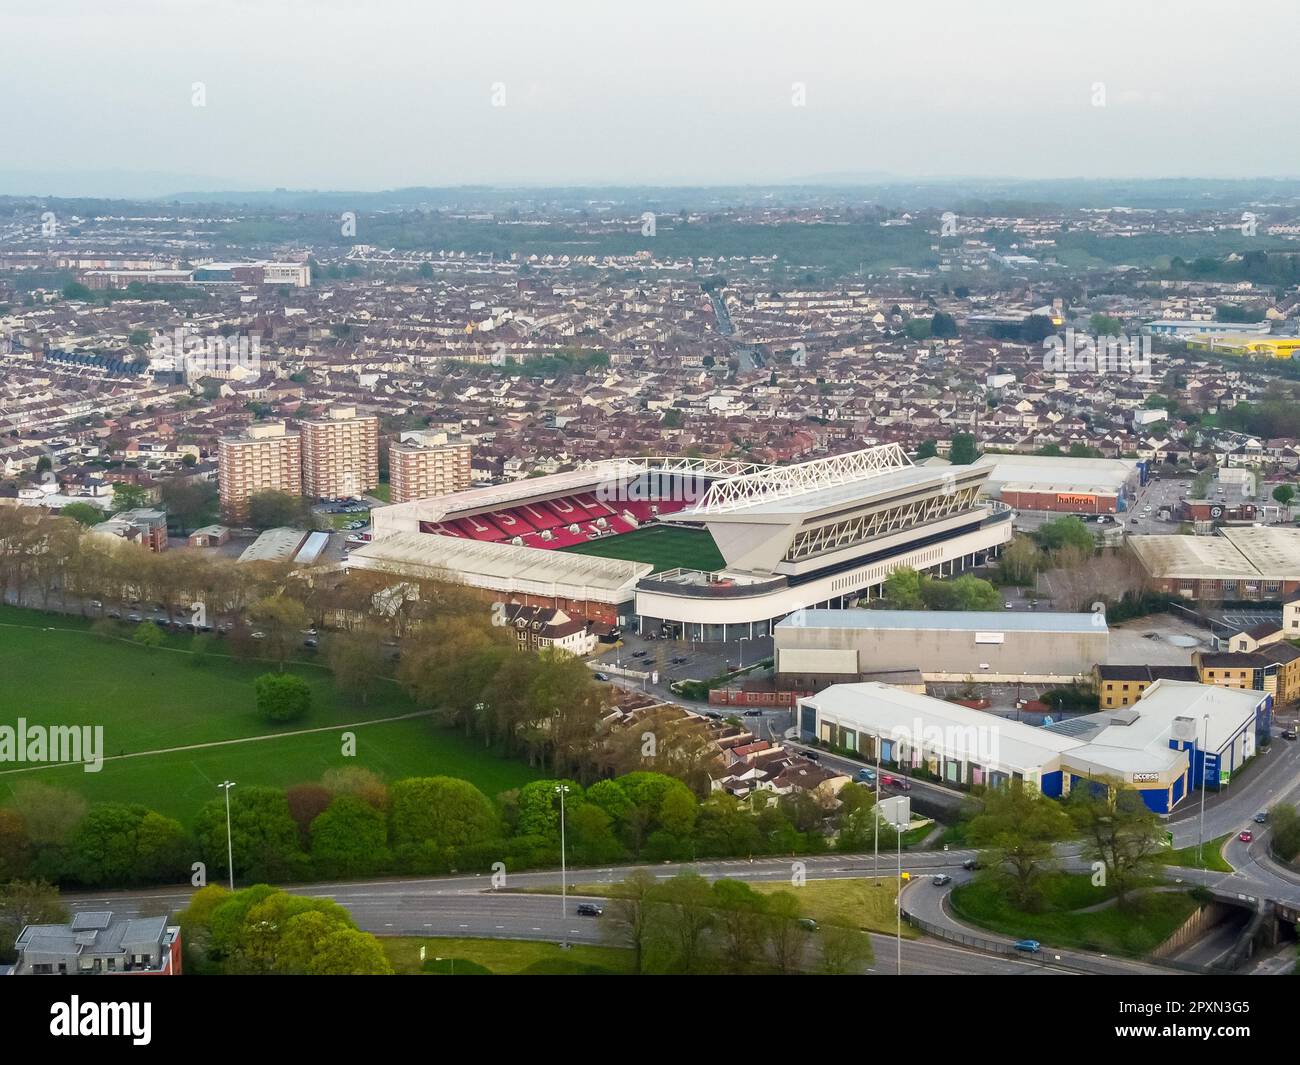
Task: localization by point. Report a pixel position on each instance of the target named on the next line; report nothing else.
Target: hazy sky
(381, 93)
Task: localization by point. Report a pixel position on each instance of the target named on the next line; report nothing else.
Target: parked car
(134, 617)
(867, 776)
(589, 909)
(115, 613)
(713, 714)
(1246, 835)
(941, 880)
(1289, 734)
(679, 660)
(259, 635)
(812, 756)
(753, 713)
(96, 604)
(808, 924)
(1029, 946)
(601, 676)
(1009, 604)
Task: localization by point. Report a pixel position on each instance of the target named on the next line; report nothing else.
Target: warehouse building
(815, 648)
(1240, 564)
(1177, 735)
(1063, 485)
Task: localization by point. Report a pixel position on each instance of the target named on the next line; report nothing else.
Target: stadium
(701, 549)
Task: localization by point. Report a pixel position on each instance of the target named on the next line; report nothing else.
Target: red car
(1245, 835)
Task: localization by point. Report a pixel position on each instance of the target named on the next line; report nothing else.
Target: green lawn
(149, 699)
(663, 547)
(1186, 856)
(1135, 931)
(854, 903)
(480, 957)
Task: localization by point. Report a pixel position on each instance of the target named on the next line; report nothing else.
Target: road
(467, 906)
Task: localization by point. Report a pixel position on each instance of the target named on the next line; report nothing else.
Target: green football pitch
(661, 546)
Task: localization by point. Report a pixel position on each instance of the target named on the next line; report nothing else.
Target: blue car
(1029, 946)
(866, 776)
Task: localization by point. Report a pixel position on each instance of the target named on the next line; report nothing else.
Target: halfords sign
(1078, 500)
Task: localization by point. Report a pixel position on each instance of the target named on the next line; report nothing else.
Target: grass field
(1063, 923)
(150, 699)
(661, 546)
(855, 903)
(501, 957)
(1212, 858)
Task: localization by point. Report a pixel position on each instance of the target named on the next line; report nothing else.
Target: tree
(626, 920)
(741, 924)
(843, 950)
(273, 510)
(963, 451)
(190, 504)
(1105, 325)
(1016, 830)
(350, 839)
(83, 514)
(439, 813)
(928, 449)
(281, 619)
(1118, 830)
(1066, 532)
(903, 589)
(683, 918)
(356, 659)
(148, 635)
(1020, 562)
(15, 846)
(264, 837)
(282, 697)
(24, 902)
(1284, 494)
(943, 326)
(129, 497)
(786, 937)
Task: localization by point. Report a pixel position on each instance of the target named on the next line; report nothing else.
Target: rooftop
(946, 620)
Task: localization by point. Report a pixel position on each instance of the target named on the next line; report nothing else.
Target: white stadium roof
(502, 567)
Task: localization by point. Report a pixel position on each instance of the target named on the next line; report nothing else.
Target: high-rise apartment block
(340, 454)
(265, 458)
(423, 464)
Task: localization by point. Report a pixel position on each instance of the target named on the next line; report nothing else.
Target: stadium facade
(823, 533)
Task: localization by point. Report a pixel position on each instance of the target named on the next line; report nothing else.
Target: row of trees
(351, 823)
(907, 589)
(688, 925)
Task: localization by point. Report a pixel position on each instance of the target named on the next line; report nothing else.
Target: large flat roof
(483, 564)
(946, 620)
(1267, 553)
(1044, 473)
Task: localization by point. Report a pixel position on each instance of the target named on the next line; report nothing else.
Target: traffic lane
(1272, 779)
(929, 902)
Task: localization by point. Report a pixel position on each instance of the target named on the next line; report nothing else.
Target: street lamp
(562, 790)
(225, 786)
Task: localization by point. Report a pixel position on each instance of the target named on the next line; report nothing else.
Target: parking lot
(683, 659)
